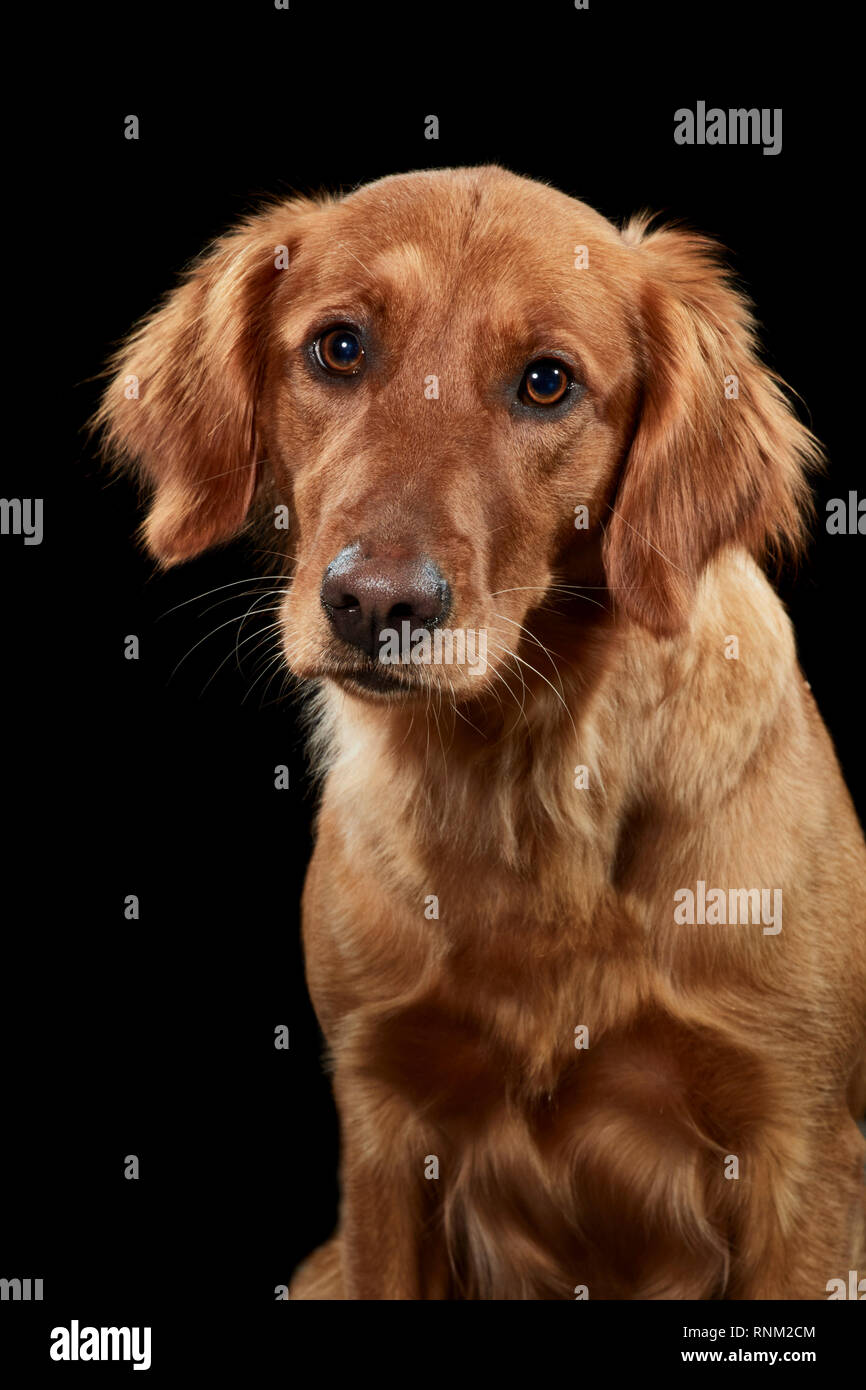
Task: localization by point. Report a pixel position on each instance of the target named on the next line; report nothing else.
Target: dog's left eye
(545, 382)
(340, 351)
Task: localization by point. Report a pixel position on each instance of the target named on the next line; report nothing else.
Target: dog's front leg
(381, 1216)
(799, 1243)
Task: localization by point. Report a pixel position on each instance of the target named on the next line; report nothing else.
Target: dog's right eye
(340, 351)
(545, 382)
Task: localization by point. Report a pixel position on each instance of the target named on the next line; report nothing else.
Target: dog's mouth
(377, 680)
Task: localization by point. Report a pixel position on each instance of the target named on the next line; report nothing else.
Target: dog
(565, 1064)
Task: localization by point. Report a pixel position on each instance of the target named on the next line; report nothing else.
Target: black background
(155, 1037)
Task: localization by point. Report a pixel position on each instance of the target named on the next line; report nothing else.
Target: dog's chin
(383, 683)
(378, 683)
(372, 684)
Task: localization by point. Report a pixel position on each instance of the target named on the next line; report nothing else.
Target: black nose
(363, 596)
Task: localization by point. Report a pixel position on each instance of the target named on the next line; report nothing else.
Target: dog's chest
(546, 1062)
(600, 1135)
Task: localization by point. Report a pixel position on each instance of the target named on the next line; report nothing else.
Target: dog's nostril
(386, 591)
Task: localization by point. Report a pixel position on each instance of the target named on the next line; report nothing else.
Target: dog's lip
(374, 680)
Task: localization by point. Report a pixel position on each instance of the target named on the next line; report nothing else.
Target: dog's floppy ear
(717, 457)
(181, 407)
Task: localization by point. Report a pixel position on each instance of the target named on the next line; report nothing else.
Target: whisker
(575, 591)
(521, 704)
(272, 627)
(538, 643)
(541, 676)
(230, 598)
(251, 579)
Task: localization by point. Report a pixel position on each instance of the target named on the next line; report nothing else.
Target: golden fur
(455, 1037)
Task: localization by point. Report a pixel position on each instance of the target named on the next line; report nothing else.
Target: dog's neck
(492, 778)
(568, 758)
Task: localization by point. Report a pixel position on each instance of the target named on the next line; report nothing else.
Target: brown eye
(340, 351)
(545, 382)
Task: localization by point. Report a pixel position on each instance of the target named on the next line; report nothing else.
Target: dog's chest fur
(571, 1094)
(521, 1005)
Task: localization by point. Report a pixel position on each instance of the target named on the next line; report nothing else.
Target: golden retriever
(584, 923)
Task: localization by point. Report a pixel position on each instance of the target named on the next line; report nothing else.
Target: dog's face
(473, 393)
(446, 389)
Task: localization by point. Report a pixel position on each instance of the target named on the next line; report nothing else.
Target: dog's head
(476, 396)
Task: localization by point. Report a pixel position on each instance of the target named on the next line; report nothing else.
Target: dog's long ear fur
(704, 469)
(181, 408)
